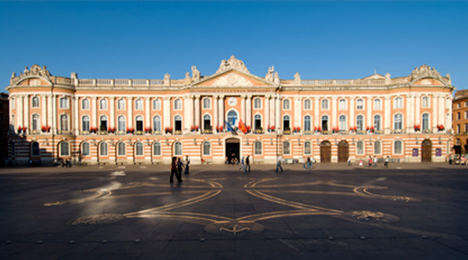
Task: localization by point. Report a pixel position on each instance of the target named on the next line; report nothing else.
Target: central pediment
(234, 78)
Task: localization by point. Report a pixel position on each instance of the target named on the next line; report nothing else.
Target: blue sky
(318, 39)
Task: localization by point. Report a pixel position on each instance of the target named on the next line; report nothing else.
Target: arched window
(35, 122)
(286, 104)
(139, 149)
(156, 149)
(377, 147)
(258, 122)
(85, 149)
(325, 123)
(35, 151)
(377, 123)
(307, 123)
(342, 104)
(157, 123)
(121, 104)
(139, 104)
(286, 123)
(121, 148)
(177, 104)
(360, 147)
(425, 121)
(425, 102)
(360, 122)
(103, 123)
(359, 104)
(157, 104)
(232, 117)
(398, 122)
(286, 147)
(177, 123)
(177, 149)
(377, 104)
(103, 104)
(207, 122)
(325, 104)
(85, 103)
(206, 148)
(398, 147)
(307, 148)
(35, 101)
(103, 149)
(342, 122)
(257, 103)
(258, 148)
(307, 105)
(139, 123)
(64, 122)
(121, 124)
(64, 149)
(206, 103)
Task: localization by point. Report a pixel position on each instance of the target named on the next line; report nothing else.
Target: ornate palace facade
(114, 121)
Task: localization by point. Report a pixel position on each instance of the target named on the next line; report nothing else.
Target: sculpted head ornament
(232, 63)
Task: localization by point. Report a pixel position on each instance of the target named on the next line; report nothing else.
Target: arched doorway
(426, 151)
(232, 148)
(343, 151)
(325, 152)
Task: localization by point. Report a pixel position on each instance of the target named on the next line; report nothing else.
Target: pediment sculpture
(232, 63)
(35, 70)
(424, 71)
(232, 80)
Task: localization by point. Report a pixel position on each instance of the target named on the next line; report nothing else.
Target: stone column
(130, 111)
(298, 113)
(441, 110)
(43, 110)
(249, 110)
(215, 113)
(19, 111)
(369, 109)
(50, 113)
(409, 114)
(166, 112)
(278, 113)
(450, 112)
(418, 110)
(221, 108)
(76, 129)
(147, 113)
(242, 112)
(352, 108)
(191, 112)
(266, 112)
(26, 113)
(94, 112)
(187, 112)
(434, 113)
(54, 113)
(197, 111)
(316, 112)
(334, 109)
(112, 112)
(388, 117)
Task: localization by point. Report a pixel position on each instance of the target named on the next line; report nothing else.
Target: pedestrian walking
(247, 163)
(174, 170)
(349, 161)
(360, 163)
(375, 161)
(278, 163)
(370, 161)
(450, 159)
(180, 166)
(242, 164)
(187, 164)
(386, 161)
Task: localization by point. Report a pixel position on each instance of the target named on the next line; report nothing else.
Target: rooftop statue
(232, 63)
(195, 74)
(424, 70)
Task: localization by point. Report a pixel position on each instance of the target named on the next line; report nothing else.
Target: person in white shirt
(278, 163)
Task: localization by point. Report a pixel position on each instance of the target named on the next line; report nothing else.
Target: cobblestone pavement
(406, 211)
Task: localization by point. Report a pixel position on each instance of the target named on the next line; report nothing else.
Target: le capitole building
(231, 113)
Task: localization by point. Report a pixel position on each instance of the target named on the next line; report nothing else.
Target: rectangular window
(377, 104)
(206, 103)
(360, 147)
(85, 151)
(257, 103)
(64, 102)
(286, 148)
(397, 147)
(156, 104)
(258, 148)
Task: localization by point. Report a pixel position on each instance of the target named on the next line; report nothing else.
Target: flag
(242, 127)
(228, 126)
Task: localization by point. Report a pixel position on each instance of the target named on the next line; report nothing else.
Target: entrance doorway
(232, 149)
(343, 151)
(325, 152)
(426, 151)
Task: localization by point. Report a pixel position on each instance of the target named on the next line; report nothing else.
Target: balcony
(258, 131)
(178, 132)
(207, 132)
(155, 132)
(398, 131)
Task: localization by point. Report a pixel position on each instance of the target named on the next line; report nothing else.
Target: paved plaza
(408, 211)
